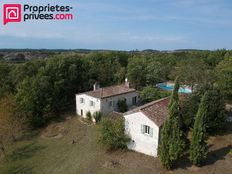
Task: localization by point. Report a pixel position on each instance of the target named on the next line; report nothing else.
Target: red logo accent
(12, 13)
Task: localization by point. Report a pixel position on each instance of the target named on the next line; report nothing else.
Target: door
(81, 112)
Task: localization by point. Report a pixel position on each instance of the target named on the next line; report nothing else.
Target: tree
(136, 71)
(224, 77)
(112, 134)
(43, 96)
(195, 73)
(5, 80)
(97, 116)
(172, 141)
(157, 71)
(198, 145)
(89, 116)
(150, 93)
(10, 126)
(189, 108)
(122, 105)
(215, 115)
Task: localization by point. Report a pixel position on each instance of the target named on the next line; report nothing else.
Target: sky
(126, 25)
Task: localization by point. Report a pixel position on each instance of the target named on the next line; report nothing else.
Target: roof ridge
(153, 102)
(146, 105)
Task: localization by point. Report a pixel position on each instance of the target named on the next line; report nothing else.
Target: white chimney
(96, 86)
(127, 84)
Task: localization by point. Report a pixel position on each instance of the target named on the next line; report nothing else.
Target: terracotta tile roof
(110, 91)
(157, 110)
(114, 115)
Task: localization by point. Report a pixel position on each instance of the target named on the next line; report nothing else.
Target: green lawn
(37, 155)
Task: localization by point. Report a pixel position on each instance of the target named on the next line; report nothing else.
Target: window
(111, 103)
(147, 130)
(134, 100)
(91, 103)
(82, 100)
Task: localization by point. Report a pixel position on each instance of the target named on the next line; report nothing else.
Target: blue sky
(126, 25)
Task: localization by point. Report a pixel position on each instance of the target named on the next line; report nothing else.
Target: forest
(36, 91)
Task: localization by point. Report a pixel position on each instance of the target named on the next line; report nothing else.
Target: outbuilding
(143, 125)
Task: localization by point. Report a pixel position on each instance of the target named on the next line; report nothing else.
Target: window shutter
(151, 133)
(142, 128)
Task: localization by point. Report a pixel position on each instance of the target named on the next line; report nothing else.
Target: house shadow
(25, 152)
(215, 155)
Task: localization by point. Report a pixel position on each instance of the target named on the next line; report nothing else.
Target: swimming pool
(167, 87)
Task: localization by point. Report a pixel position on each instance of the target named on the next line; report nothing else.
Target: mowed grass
(35, 154)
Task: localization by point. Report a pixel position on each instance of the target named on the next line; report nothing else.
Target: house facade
(143, 125)
(105, 99)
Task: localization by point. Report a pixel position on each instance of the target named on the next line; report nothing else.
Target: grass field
(36, 154)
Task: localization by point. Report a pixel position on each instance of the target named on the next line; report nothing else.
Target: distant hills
(29, 54)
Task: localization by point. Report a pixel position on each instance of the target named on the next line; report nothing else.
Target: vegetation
(224, 74)
(189, 108)
(122, 106)
(44, 88)
(89, 116)
(112, 134)
(149, 93)
(230, 152)
(97, 116)
(215, 117)
(172, 141)
(10, 126)
(198, 146)
(36, 91)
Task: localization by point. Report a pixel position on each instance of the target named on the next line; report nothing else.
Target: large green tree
(198, 146)
(195, 73)
(112, 134)
(215, 116)
(51, 90)
(136, 71)
(172, 140)
(224, 76)
(149, 93)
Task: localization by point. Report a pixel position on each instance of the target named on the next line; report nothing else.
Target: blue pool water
(166, 87)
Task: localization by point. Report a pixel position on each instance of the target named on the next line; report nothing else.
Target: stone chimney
(96, 86)
(127, 84)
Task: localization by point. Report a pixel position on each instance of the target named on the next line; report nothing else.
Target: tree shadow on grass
(183, 163)
(28, 135)
(226, 130)
(212, 157)
(25, 152)
(219, 154)
(19, 169)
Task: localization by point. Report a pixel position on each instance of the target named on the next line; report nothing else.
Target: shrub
(122, 106)
(112, 135)
(149, 94)
(89, 116)
(97, 116)
(230, 152)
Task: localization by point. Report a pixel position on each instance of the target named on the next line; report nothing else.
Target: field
(70, 147)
